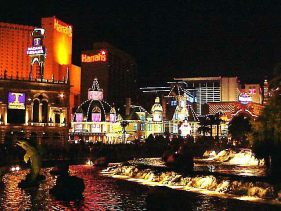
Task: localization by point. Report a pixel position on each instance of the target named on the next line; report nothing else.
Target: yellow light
(89, 162)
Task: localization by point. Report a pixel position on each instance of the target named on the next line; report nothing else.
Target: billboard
(16, 100)
(36, 50)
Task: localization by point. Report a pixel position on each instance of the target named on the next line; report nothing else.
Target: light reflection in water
(106, 193)
(100, 193)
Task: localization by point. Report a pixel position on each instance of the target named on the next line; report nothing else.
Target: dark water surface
(106, 193)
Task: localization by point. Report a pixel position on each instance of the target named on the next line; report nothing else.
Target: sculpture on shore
(35, 157)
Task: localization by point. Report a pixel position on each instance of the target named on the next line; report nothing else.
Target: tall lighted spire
(95, 93)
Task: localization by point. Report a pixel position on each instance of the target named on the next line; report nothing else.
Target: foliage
(239, 127)
(266, 135)
(209, 120)
(276, 81)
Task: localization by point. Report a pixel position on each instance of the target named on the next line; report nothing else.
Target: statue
(67, 187)
(32, 154)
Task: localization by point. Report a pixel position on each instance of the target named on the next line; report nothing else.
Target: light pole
(123, 125)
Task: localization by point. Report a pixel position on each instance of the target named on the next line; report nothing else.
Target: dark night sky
(175, 39)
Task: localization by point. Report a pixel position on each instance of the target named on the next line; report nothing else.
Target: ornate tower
(157, 110)
(37, 53)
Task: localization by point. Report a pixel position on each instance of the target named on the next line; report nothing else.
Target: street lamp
(123, 125)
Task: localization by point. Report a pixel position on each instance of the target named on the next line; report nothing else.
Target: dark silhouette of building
(115, 69)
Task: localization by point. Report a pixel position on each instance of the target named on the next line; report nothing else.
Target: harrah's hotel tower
(14, 61)
(114, 69)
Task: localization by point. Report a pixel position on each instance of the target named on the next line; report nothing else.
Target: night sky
(186, 39)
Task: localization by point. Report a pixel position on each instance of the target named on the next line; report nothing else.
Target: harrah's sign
(63, 29)
(100, 57)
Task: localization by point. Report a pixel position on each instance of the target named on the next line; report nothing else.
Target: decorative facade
(95, 120)
(34, 108)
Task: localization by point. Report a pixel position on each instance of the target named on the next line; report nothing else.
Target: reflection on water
(100, 193)
(107, 193)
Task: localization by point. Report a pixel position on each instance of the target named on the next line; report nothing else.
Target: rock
(68, 188)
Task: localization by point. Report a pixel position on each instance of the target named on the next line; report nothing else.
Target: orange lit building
(14, 41)
(58, 42)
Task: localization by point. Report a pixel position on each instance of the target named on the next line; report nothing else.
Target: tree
(266, 135)
(204, 127)
(239, 127)
(209, 120)
(275, 83)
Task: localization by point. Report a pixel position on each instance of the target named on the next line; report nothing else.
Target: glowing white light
(17, 168)
(13, 169)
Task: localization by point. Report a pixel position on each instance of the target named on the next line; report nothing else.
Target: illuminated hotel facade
(15, 41)
(115, 70)
(97, 121)
(212, 89)
(32, 108)
(221, 96)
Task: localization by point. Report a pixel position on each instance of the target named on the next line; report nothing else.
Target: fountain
(216, 184)
(233, 157)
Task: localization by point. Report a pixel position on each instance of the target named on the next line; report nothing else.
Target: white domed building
(94, 120)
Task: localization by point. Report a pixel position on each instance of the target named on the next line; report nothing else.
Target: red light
(100, 57)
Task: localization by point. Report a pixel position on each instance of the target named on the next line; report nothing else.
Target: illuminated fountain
(225, 174)
(243, 157)
(213, 185)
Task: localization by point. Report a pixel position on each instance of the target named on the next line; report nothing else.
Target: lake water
(106, 193)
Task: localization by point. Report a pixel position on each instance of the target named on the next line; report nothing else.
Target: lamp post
(123, 125)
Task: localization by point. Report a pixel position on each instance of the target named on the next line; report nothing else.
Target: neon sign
(35, 50)
(244, 99)
(63, 29)
(100, 57)
(16, 100)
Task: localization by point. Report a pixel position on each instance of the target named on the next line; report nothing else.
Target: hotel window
(135, 126)
(36, 111)
(175, 129)
(252, 91)
(57, 117)
(96, 128)
(142, 127)
(112, 115)
(96, 114)
(44, 111)
(159, 128)
(149, 127)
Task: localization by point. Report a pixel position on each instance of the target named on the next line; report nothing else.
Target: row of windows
(16, 28)
(149, 127)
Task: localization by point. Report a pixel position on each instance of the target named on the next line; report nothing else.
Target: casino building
(15, 41)
(95, 120)
(35, 106)
(203, 96)
(115, 69)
